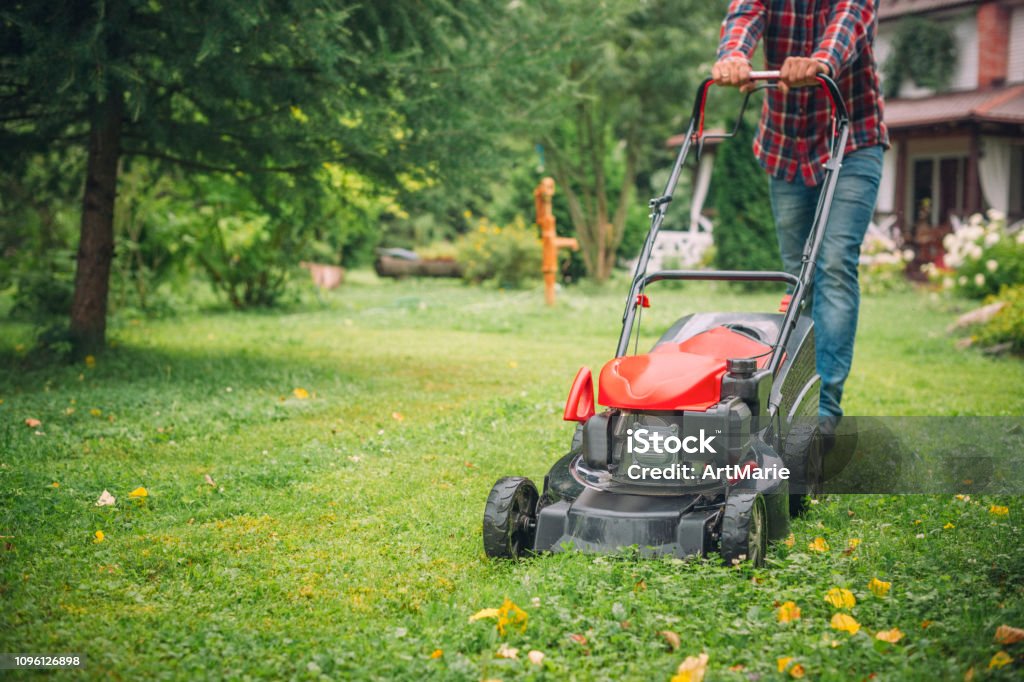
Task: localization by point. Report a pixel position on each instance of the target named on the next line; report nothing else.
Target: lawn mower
(711, 440)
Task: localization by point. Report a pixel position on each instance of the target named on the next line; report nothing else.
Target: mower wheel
(510, 518)
(805, 457)
(744, 529)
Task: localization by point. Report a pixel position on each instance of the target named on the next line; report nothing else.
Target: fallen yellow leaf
(139, 492)
(1009, 635)
(783, 662)
(96, 412)
(511, 615)
(891, 636)
(840, 598)
(788, 611)
(90, 361)
(692, 669)
(879, 588)
(300, 393)
(483, 613)
(99, 536)
(998, 510)
(999, 660)
(437, 653)
(818, 545)
(845, 623)
(948, 526)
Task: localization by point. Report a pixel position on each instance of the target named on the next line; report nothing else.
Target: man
(802, 39)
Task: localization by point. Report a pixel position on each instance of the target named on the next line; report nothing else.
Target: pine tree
(744, 228)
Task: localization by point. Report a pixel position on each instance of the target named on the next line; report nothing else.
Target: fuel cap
(741, 367)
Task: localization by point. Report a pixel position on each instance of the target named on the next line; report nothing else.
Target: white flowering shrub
(882, 264)
(982, 257)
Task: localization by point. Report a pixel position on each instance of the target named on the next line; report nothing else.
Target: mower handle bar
(835, 98)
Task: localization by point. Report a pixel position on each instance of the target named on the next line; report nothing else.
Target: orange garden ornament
(550, 242)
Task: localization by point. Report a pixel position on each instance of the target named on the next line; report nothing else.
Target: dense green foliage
(1006, 328)
(744, 227)
(923, 52)
(311, 123)
(632, 87)
(341, 533)
(255, 135)
(264, 86)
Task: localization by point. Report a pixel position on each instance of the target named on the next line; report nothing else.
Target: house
(957, 146)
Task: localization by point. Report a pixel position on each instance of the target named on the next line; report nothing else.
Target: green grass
(342, 537)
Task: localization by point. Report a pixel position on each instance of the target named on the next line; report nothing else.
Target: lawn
(316, 480)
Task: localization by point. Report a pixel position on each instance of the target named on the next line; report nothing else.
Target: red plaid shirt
(792, 138)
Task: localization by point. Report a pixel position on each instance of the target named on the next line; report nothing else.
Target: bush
(984, 257)
(1007, 326)
(439, 250)
(45, 287)
(882, 265)
(510, 256)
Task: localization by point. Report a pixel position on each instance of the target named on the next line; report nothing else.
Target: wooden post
(550, 241)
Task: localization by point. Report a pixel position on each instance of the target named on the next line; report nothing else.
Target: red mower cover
(683, 376)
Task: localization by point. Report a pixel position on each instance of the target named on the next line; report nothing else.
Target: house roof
(997, 105)
(888, 9)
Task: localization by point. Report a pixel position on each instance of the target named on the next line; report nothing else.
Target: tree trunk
(599, 233)
(96, 243)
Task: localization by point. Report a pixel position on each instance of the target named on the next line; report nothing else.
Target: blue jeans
(836, 292)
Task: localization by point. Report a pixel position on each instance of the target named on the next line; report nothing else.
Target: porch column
(972, 193)
(899, 199)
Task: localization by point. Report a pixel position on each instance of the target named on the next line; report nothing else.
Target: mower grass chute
(709, 442)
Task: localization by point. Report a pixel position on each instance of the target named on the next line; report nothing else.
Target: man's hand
(799, 72)
(732, 72)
